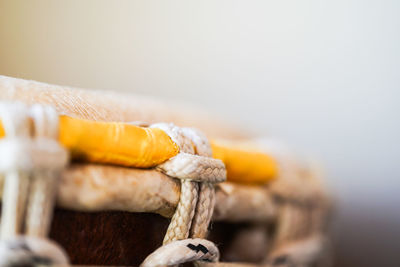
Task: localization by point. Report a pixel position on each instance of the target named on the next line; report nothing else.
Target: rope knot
(194, 161)
(198, 173)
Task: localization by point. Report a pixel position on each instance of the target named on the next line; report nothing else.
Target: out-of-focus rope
(31, 160)
(16, 185)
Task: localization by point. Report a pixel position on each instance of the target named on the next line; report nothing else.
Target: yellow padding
(244, 163)
(133, 146)
(115, 143)
(2, 133)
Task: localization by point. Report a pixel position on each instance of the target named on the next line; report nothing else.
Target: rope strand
(31, 160)
(197, 171)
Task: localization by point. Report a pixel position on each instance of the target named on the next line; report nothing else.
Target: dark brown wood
(118, 238)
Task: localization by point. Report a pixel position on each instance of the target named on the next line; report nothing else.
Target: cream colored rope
(206, 201)
(204, 211)
(31, 251)
(44, 181)
(197, 171)
(16, 125)
(31, 160)
(191, 168)
(182, 251)
(181, 221)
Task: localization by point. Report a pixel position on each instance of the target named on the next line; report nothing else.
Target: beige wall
(323, 75)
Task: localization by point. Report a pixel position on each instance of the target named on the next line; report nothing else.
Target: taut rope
(197, 172)
(31, 162)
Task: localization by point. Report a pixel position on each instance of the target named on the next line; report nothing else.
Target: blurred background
(322, 75)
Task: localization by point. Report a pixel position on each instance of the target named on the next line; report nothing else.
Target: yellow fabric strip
(2, 133)
(129, 145)
(244, 163)
(114, 142)
(117, 143)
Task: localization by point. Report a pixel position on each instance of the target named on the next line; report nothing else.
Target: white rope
(193, 167)
(197, 171)
(44, 180)
(206, 201)
(27, 154)
(16, 125)
(182, 251)
(181, 221)
(30, 251)
(204, 211)
(31, 160)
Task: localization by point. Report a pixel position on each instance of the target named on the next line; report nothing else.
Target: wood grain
(119, 238)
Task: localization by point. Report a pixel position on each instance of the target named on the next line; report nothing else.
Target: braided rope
(197, 171)
(193, 167)
(182, 219)
(204, 211)
(206, 202)
(183, 251)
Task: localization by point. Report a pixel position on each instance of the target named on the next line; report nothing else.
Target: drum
(97, 178)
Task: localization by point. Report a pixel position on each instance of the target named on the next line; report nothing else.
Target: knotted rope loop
(196, 168)
(183, 251)
(197, 172)
(194, 161)
(31, 159)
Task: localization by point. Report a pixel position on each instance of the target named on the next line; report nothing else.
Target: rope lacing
(197, 172)
(31, 161)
